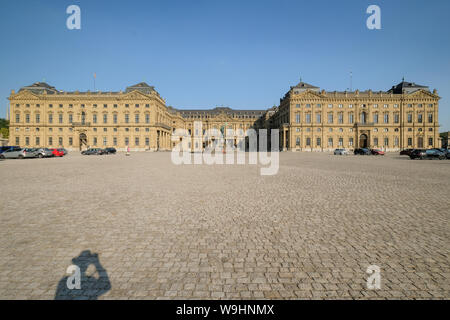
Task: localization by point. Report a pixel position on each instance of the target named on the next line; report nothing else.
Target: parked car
(363, 151)
(63, 150)
(427, 154)
(110, 150)
(44, 153)
(15, 153)
(5, 148)
(340, 152)
(56, 152)
(406, 152)
(95, 151)
(377, 152)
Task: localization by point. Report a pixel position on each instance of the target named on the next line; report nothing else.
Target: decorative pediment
(25, 95)
(135, 95)
(423, 94)
(308, 94)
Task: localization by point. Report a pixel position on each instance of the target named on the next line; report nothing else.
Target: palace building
(309, 119)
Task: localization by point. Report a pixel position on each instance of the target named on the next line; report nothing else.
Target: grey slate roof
(407, 86)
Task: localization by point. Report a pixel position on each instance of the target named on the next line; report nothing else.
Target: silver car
(340, 152)
(44, 153)
(19, 154)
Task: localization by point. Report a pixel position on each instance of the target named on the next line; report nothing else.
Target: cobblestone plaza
(164, 231)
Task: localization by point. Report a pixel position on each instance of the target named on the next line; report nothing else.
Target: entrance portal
(363, 143)
(83, 141)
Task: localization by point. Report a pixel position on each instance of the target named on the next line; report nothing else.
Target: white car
(340, 152)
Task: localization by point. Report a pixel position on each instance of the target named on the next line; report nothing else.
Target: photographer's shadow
(85, 284)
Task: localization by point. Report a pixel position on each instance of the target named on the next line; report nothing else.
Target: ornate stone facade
(309, 119)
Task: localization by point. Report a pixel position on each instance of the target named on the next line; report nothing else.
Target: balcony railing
(81, 124)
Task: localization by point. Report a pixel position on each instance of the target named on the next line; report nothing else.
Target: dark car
(110, 150)
(93, 151)
(363, 151)
(406, 152)
(427, 154)
(6, 148)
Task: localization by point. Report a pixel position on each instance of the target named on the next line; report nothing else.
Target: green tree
(4, 123)
(4, 132)
(4, 128)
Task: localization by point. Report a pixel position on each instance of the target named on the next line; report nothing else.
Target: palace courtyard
(165, 231)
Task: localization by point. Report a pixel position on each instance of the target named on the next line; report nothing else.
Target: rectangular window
(136, 118)
(409, 117)
(147, 141)
(430, 142)
(115, 118)
(147, 105)
(50, 118)
(127, 118)
(115, 141)
(105, 118)
(318, 118)
(375, 141)
(137, 105)
(350, 142)
(50, 141)
(105, 106)
(395, 141)
(386, 142)
(147, 118)
(136, 141)
(17, 117)
(27, 141)
(17, 141)
(308, 118)
(341, 142)
(386, 118)
(105, 141)
(297, 141)
(318, 142)
(38, 141)
(60, 141)
(330, 142)
(60, 118)
(297, 117)
(308, 141)
(70, 118)
(341, 117)
(419, 118)
(127, 141)
(27, 118)
(330, 118)
(409, 141)
(70, 141)
(350, 117)
(430, 118)
(297, 106)
(396, 118)
(94, 118)
(94, 141)
(375, 117)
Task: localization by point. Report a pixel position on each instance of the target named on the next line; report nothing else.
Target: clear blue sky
(241, 54)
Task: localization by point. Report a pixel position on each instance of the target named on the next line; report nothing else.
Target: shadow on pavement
(92, 284)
